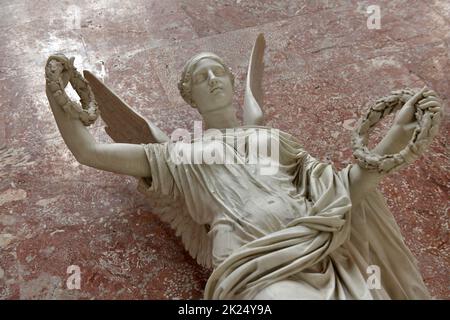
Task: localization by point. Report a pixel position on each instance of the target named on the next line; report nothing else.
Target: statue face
(211, 86)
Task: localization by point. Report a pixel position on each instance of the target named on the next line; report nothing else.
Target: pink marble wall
(323, 68)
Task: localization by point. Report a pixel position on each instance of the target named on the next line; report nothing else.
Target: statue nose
(212, 78)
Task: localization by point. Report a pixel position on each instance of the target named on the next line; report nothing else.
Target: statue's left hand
(428, 99)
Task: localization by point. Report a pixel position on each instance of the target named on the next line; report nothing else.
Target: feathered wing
(194, 236)
(253, 98)
(125, 125)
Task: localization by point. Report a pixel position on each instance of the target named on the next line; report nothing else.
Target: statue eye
(219, 71)
(199, 77)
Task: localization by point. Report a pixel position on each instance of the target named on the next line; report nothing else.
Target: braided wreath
(426, 128)
(88, 111)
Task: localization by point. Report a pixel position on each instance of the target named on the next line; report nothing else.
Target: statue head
(206, 83)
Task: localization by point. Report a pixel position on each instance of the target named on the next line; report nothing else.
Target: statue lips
(216, 89)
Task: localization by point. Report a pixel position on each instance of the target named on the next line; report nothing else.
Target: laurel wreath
(426, 128)
(88, 110)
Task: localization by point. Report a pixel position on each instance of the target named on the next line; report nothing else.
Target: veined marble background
(324, 67)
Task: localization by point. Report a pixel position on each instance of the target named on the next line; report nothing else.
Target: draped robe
(289, 235)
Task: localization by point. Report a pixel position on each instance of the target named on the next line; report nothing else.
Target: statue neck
(221, 118)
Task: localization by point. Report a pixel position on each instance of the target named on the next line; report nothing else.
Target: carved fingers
(417, 96)
(431, 102)
(406, 114)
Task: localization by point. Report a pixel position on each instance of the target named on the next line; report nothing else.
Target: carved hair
(185, 83)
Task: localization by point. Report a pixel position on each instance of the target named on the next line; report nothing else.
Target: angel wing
(125, 125)
(253, 97)
(194, 236)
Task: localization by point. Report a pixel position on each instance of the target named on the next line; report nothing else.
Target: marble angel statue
(306, 231)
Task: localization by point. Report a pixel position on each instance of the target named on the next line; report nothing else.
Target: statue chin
(215, 106)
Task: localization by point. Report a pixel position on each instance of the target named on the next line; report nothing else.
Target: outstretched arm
(363, 180)
(120, 158)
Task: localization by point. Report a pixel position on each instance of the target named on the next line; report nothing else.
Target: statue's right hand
(59, 68)
(58, 72)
